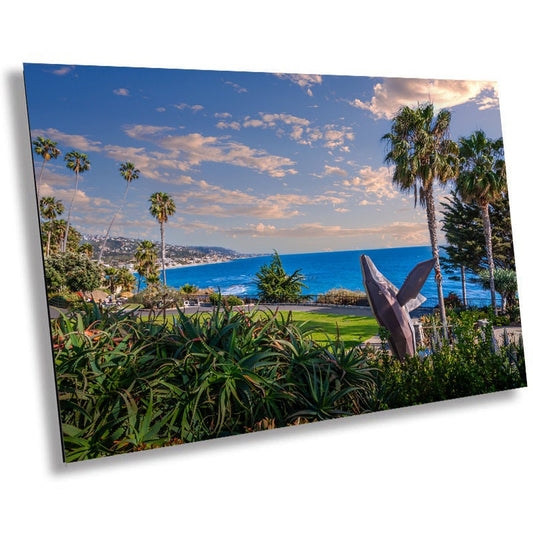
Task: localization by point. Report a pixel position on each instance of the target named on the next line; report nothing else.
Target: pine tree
(275, 285)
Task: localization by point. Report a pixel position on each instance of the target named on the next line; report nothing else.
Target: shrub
(274, 285)
(189, 289)
(470, 366)
(126, 385)
(505, 284)
(65, 300)
(231, 300)
(452, 301)
(158, 296)
(343, 297)
(71, 271)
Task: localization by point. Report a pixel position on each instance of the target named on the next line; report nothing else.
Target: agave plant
(127, 384)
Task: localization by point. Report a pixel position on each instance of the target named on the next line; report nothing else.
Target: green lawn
(352, 329)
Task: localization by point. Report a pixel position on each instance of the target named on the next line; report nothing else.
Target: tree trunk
(463, 279)
(487, 230)
(64, 246)
(48, 244)
(40, 178)
(111, 224)
(163, 253)
(432, 226)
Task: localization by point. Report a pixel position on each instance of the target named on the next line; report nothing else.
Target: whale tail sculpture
(391, 307)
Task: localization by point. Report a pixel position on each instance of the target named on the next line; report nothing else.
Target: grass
(352, 330)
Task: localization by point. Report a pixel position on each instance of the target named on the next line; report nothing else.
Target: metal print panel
(222, 250)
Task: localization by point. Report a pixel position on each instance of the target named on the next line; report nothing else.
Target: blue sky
(253, 161)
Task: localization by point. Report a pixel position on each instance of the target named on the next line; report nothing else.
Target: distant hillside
(120, 251)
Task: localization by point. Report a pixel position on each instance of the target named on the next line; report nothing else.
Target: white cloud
(305, 81)
(373, 183)
(301, 130)
(194, 149)
(79, 142)
(328, 170)
(336, 138)
(63, 70)
(84, 204)
(394, 93)
(194, 108)
(228, 125)
(236, 87)
(399, 232)
(121, 92)
(203, 198)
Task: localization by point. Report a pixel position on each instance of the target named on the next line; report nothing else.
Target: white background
(463, 465)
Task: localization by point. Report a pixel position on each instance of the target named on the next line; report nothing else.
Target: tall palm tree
(50, 209)
(58, 234)
(145, 260)
(482, 179)
(47, 150)
(162, 206)
(129, 173)
(78, 163)
(423, 154)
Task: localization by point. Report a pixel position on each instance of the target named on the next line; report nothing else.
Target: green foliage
(87, 249)
(119, 277)
(452, 301)
(189, 289)
(482, 176)
(504, 282)
(463, 228)
(343, 297)
(470, 366)
(126, 385)
(53, 232)
(216, 299)
(71, 271)
(146, 261)
(65, 300)
(275, 285)
(158, 296)
(233, 300)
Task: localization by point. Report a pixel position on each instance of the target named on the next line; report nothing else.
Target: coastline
(174, 266)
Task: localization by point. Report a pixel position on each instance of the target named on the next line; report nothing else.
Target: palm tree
(47, 150)
(162, 206)
(111, 279)
(78, 163)
(145, 260)
(59, 228)
(87, 249)
(50, 209)
(129, 173)
(482, 179)
(125, 279)
(420, 149)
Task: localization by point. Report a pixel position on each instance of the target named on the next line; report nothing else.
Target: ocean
(324, 271)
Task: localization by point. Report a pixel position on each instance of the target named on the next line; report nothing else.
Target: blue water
(323, 271)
